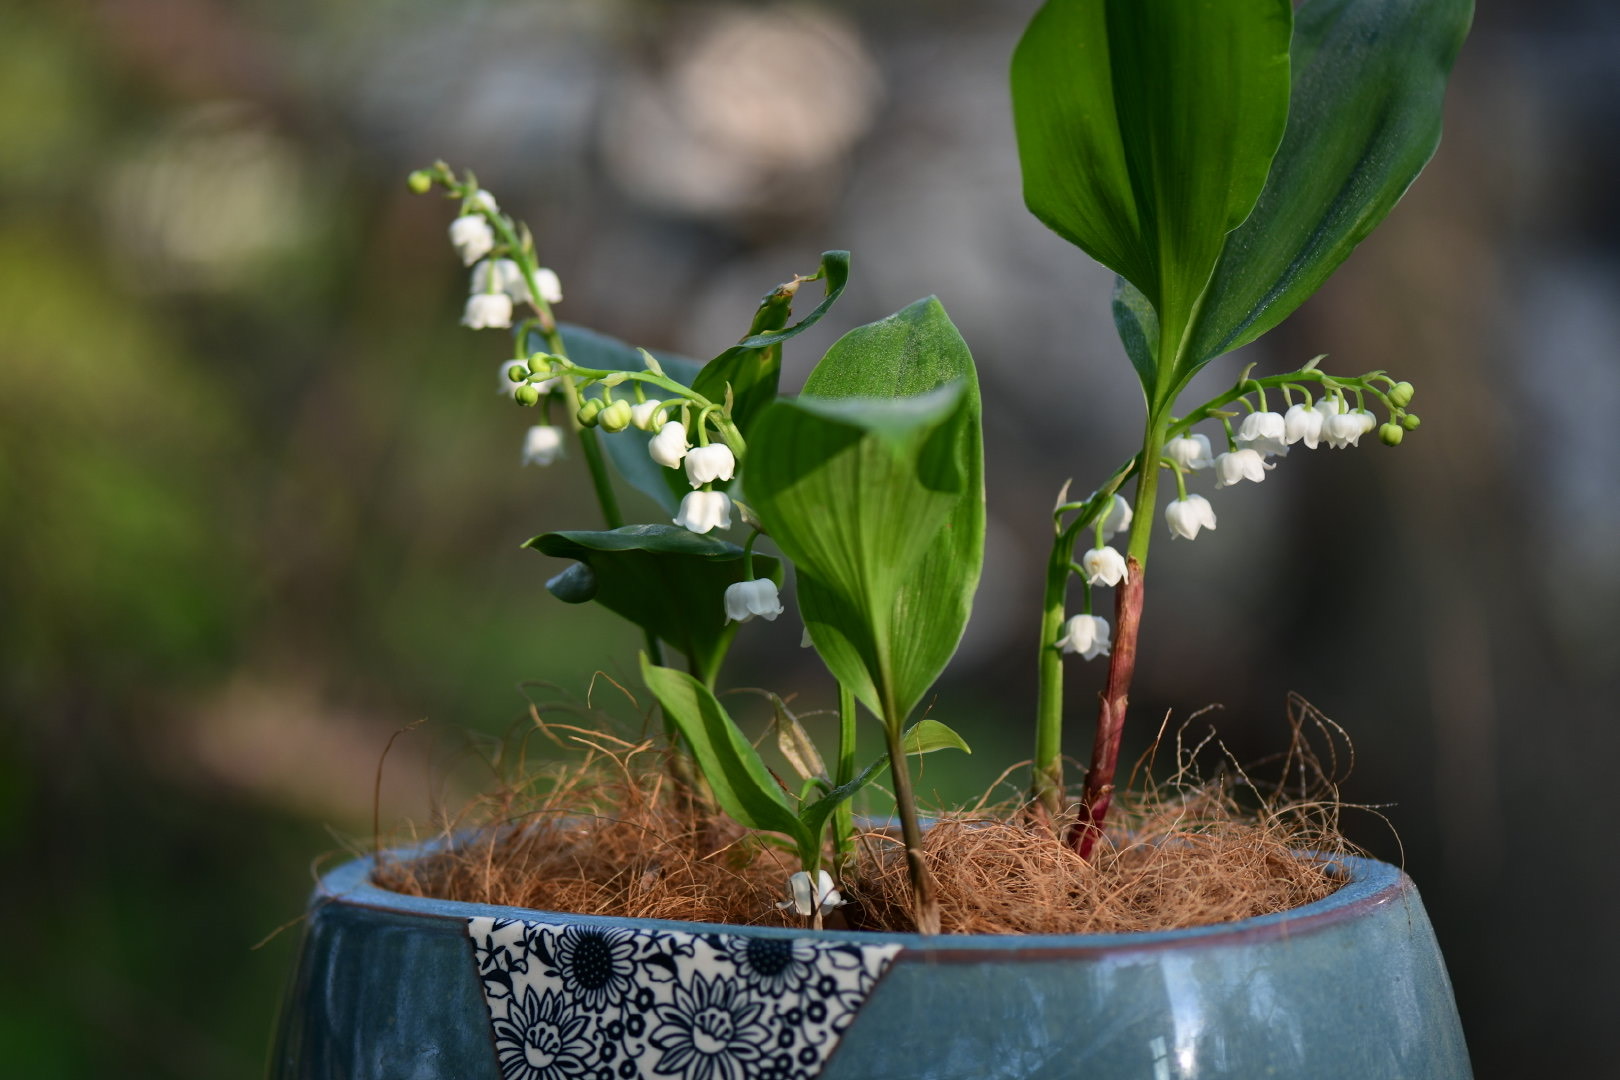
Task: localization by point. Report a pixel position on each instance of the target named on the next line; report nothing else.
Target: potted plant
(1222, 159)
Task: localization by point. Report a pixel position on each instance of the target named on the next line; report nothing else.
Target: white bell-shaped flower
(542, 445)
(1086, 635)
(508, 279)
(1238, 466)
(643, 414)
(704, 510)
(1104, 566)
(669, 446)
(488, 311)
(549, 284)
(808, 897)
(1189, 451)
(1301, 423)
(1186, 516)
(745, 599)
(1344, 429)
(706, 464)
(472, 237)
(484, 199)
(1117, 518)
(1266, 432)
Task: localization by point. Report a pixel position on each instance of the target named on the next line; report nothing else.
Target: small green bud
(589, 411)
(540, 364)
(517, 373)
(525, 395)
(1391, 433)
(420, 181)
(1410, 421)
(615, 417)
(1401, 394)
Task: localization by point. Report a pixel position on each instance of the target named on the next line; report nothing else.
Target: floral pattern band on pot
(569, 1000)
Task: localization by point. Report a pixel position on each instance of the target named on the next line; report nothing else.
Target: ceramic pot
(390, 987)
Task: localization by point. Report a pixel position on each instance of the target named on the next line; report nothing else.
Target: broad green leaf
(1138, 326)
(741, 783)
(926, 736)
(664, 579)
(1145, 131)
(856, 491)
(752, 369)
(914, 351)
(628, 449)
(1369, 77)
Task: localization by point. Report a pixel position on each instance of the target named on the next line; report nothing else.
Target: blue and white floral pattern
(573, 1001)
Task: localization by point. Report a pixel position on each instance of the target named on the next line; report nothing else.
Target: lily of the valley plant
(1221, 158)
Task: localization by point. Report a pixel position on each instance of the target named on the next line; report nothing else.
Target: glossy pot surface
(390, 987)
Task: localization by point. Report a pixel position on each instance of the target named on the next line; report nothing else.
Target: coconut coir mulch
(616, 837)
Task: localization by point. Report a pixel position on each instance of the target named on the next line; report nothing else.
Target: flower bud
(420, 181)
(1401, 394)
(1085, 634)
(745, 599)
(525, 394)
(540, 363)
(807, 897)
(517, 373)
(485, 201)
(589, 411)
(706, 464)
(1391, 433)
(614, 416)
(1117, 517)
(1410, 421)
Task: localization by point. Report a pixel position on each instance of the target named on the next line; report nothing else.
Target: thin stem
(924, 902)
(844, 814)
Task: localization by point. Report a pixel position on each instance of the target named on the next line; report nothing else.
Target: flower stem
(924, 902)
(844, 814)
(1099, 789)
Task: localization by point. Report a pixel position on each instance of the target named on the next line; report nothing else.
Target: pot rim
(1370, 884)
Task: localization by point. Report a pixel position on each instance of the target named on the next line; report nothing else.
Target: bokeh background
(260, 503)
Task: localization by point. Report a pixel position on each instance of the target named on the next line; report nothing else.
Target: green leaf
(664, 579)
(856, 492)
(1145, 131)
(742, 785)
(1138, 326)
(926, 736)
(912, 352)
(752, 369)
(628, 449)
(1369, 77)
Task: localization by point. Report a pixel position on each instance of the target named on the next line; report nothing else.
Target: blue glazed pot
(390, 987)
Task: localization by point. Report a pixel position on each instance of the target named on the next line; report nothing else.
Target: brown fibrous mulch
(616, 835)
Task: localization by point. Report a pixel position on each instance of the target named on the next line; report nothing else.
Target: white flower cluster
(700, 510)
(1261, 436)
(497, 284)
(808, 897)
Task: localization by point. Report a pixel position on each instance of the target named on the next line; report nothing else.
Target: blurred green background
(260, 504)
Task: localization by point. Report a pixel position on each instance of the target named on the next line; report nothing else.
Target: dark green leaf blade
(742, 785)
(1369, 79)
(664, 579)
(1146, 129)
(915, 351)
